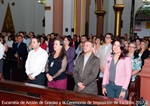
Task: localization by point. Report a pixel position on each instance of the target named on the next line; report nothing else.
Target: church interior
(22, 21)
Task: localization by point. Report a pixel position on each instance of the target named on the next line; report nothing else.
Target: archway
(142, 21)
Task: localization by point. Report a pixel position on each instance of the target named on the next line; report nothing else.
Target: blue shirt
(136, 65)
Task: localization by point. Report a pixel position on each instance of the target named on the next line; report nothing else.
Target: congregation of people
(47, 59)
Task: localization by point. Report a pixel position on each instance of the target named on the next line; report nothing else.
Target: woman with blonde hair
(144, 52)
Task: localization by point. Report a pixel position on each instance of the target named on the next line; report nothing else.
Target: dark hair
(84, 36)
(111, 35)
(138, 39)
(122, 47)
(99, 39)
(32, 32)
(43, 39)
(38, 38)
(20, 36)
(69, 39)
(136, 54)
(21, 32)
(63, 51)
(1, 36)
(79, 38)
(9, 37)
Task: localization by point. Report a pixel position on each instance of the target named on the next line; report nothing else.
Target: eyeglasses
(131, 47)
(107, 37)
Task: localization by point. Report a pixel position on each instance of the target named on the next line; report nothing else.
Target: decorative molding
(8, 25)
(75, 16)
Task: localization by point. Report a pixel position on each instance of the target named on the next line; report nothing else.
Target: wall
(27, 15)
(93, 19)
(68, 10)
(144, 31)
(109, 18)
(49, 18)
(126, 17)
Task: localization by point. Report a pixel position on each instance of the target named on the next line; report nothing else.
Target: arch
(143, 13)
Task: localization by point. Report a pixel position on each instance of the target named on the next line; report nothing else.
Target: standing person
(51, 43)
(56, 66)
(81, 45)
(117, 72)
(43, 44)
(105, 51)
(2, 50)
(78, 41)
(35, 64)
(97, 45)
(2, 40)
(126, 45)
(138, 43)
(135, 59)
(20, 52)
(70, 53)
(20, 49)
(143, 51)
(86, 70)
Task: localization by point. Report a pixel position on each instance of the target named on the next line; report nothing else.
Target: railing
(17, 93)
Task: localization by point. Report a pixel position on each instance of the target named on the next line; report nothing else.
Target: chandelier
(145, 1)
(42, 1)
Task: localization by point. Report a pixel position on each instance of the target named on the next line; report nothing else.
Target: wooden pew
(13, 69)
(134, 86)
(16, 92)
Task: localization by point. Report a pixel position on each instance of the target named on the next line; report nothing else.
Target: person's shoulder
(127, 58)
(81, 56)
(72, 48)
(31, 52)
(22, 43)
(101, 46)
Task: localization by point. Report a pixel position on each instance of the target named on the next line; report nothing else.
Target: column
(83, 17)
(118, 7)
(99, 11)
(77, 17)
(58, 16)
(132, 20)
(87, 17)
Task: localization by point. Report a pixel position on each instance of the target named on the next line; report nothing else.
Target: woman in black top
(144, 52)
(56, 66)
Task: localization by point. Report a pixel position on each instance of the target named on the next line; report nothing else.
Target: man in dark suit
(86, 70)
(20, 51)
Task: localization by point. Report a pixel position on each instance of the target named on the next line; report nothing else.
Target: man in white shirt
(2, 50)
(9, 42)
(35, 64)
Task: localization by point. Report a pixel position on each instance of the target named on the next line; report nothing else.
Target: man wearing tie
(20, 51)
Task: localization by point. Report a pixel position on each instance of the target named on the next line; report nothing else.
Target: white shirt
(85, 61)
(2, 50)
(36, 62)
(9, 43)
(106, 47)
